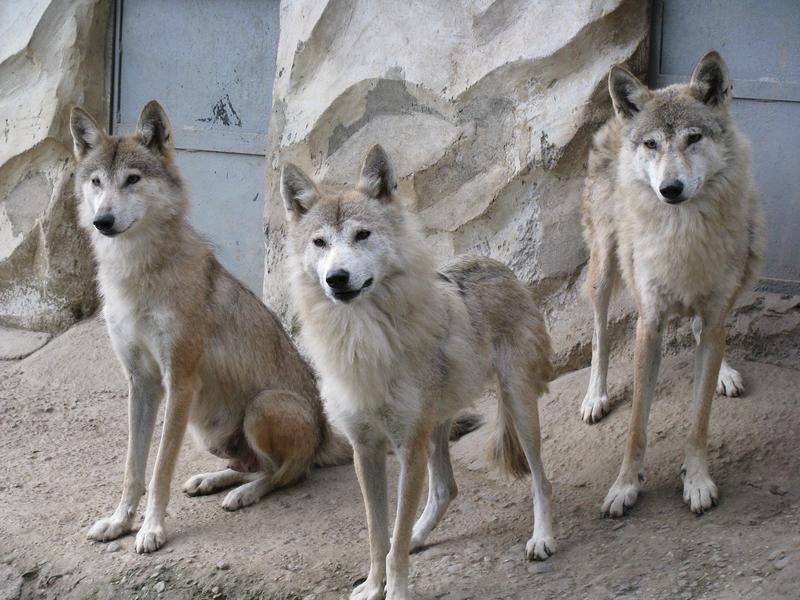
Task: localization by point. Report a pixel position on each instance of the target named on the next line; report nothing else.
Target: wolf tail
(464, 424)
(504, 450)
(523, 375)
(334, 449)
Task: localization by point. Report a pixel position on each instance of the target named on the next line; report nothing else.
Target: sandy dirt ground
(62, 442)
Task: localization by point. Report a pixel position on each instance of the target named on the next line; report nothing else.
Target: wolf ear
(153, 128)
(86, 135)
(710, 81)
(298, 191)
(628, 94)
(377, 178)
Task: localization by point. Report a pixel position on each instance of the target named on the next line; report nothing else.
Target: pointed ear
(377, 178)
(153, 128)
(710, 81)
(298, 191)
(86, 135)
(628, 94)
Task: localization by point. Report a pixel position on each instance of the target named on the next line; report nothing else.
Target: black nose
(104, 223)
(338, 279)
(671, 190)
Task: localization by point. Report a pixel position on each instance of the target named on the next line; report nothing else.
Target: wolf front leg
(413, 458)
(647, 357)
(182, 390)
(600, 284)
(144, 396)
(699, 491)
(370, 463)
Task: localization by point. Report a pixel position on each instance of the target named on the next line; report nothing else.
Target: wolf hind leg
(519, 408)
(279, 427)
(599, 284)
(729, 381)
(442, 488)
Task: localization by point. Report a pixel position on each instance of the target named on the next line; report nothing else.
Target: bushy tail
(504, 450)
(464, 424)
(334, 449)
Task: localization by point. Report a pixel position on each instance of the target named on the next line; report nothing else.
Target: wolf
(184, 328)
(670, 203)
(401, 347)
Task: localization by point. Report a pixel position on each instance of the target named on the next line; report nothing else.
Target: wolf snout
(338, 280)
(104, 223)
(672, 190)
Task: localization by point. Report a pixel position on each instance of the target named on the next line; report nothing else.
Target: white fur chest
(139, 320)
(681, 258)
(367, 380)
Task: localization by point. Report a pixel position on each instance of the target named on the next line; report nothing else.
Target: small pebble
(781, 563)
(113, 547)
(776, 554)
(160, 587)
(223, 566)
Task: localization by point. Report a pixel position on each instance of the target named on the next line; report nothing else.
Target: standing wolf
(401, 348)
(184, 328)
(671, 202)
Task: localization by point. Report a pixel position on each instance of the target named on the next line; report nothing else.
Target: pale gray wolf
(401, 347)
(671, 203)
(185, 328)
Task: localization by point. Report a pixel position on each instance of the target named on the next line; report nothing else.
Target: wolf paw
(699, 491)
(198, 485)
(594, 407)
(540, 548)
(367, 591)
(239, 498)
(729, 382)
(150, 538)
(621, 497)
(108, 528)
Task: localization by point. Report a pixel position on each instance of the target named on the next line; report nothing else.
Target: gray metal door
(211, 65)
(760, 41)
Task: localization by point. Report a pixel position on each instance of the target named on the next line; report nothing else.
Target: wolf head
(125, 182)
(347, 242)
(674, 136)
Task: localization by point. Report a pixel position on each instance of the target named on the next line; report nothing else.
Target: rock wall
(52, 55)
(487, 108)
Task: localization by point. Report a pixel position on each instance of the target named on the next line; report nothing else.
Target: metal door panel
(211, 65)
(226, 203)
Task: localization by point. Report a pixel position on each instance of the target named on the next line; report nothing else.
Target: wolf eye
(319, 242)
(362, 234)
(96, 181)
(694, 138)
(651, 144)
(132, 179)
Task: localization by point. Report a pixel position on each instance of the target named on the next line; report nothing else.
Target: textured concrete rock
(19, 343)
(51, 57)
(486, 107)
(10, 583)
